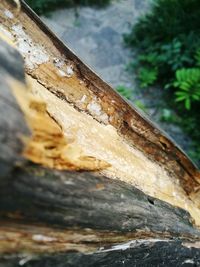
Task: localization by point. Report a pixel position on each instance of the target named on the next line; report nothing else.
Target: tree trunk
(86, 180)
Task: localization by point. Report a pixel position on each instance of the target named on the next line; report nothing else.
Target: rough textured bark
(64, 203)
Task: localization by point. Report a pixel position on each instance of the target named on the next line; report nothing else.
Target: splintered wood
(66, 139)
(48, 146)
(77, 124)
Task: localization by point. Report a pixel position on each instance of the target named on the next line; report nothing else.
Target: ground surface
(96, 36)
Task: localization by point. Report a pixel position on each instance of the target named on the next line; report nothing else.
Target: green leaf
(187, 104)
(147, 76)
(180, 98)
(187, 83)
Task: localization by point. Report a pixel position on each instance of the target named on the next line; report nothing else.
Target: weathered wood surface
(58, 218)
(85, 200)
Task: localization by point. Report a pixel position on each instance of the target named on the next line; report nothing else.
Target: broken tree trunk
(86, 180)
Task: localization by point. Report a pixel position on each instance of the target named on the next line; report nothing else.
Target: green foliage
(150, 58)
(147, 76)
(124, 91)
(167, 40)
(168, 37)
(44, 6)
(172, 55)
(167, 20)
(188, 84)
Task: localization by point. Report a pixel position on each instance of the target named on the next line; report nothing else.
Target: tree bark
(86, 180)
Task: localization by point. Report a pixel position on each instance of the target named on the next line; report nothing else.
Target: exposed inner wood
(78, 126)
(50, 146)
(65, 138)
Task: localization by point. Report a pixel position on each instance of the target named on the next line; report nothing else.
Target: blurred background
(148, 50)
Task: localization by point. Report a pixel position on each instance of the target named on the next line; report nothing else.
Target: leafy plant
(150, 58)
(167, 37)
(173, 55)
(124, 91)
(188, 84)
(147, 76)
(166, 20)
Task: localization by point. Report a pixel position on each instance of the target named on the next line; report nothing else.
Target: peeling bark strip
(138, 205)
